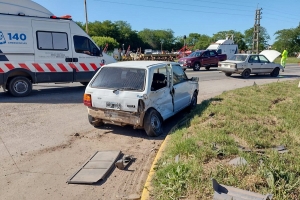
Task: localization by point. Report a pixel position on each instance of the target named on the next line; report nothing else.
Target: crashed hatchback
(139, 93)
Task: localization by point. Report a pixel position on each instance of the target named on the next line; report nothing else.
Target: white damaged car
(246, 64)
(139, 93)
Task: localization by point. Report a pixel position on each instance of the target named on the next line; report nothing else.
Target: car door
(254, 64)
(205, 59)
(213, 58)
(181, 88)
(265, 65)
(160, 94)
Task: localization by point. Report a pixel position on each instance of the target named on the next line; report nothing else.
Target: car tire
(153, 123)
(19, 86)
(246, 73)
(228, 74)
(95, 122)
(193, 103)
(275, 72)
(207, 68)
(184, 69)
(196, 66)
(84, 83)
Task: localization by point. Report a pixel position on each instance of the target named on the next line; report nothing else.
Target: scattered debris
(177, 158)
(96, 168)
(223, 192)
(238, 161)
(123, 162)
(280, 149)
(254, 84)
(76, 134)
(211, 114)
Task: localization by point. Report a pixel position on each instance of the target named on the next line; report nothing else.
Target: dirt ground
(40, 150)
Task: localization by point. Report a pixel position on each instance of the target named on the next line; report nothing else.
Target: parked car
(139, 93)
(201, 58)
(246, 64)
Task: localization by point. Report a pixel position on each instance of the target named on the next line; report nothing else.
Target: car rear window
(238, 57)
(120, 78)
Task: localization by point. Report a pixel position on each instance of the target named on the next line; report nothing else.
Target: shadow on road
(48, 95)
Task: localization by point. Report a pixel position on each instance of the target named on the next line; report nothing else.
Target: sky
(184, 16)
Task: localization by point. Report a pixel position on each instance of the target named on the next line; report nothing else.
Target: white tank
(23, 7)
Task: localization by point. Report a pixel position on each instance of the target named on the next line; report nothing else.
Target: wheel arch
(18, 72)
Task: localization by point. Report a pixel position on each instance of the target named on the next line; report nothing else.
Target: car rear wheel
(207, 68)
(153, 123)
(246, 73)
(196, 66)
(19, 86)
(193, 103)
(228, 74)
(275, 72)
(95, 122)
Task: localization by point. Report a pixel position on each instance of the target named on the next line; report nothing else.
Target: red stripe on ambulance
(9, 66)
(94, 66)
(73, 67)
(38, 67)
(1, 71)
(24, 66)
(50, 67)
(62, 67)
(84, 67)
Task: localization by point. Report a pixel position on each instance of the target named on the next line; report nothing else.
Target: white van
(38, 47)
(226, 46)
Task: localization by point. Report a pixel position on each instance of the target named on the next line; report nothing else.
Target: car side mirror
(196, 79)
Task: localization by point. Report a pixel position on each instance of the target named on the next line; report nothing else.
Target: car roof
(139, 64)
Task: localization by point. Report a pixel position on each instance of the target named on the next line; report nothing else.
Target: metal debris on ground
(96, 168)
(280, 149)
(123, 162)
(224, 192)
(238, 161)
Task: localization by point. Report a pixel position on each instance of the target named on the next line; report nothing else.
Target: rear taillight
(219, 64)
(87, 100)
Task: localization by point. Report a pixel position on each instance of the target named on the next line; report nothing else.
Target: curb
(147, 187)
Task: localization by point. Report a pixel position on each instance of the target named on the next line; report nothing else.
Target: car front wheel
(196, 67)
(246, 73)
(193, 103)
(275, 72)
(153, 123)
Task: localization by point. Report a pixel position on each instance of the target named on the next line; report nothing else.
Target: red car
(202, 58)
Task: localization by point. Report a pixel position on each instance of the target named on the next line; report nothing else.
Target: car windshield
(195, 54)
(238, 57)
(119, 78)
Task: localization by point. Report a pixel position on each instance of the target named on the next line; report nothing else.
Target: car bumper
(117, 117)
(230, 70)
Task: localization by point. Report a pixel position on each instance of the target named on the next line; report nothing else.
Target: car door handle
(75, 59)
(68, 59)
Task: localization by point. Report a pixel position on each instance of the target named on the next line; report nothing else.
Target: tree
(102, 41)
(263, 37)
(289, 39)
(157, 39)
(238, 38)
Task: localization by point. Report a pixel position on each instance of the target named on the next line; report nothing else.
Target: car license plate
(113, 105)
(226, 66)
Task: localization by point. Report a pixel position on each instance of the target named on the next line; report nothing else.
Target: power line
(175, 9)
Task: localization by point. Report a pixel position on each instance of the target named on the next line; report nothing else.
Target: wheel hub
(155, 123)
(20, 87)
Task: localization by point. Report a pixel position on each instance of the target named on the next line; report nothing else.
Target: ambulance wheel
(153, 123)
(19, 86)
(94, 122)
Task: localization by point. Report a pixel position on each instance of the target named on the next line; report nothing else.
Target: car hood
(270, 54)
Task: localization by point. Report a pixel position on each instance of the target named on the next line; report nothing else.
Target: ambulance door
(53, 51)
(86, 58)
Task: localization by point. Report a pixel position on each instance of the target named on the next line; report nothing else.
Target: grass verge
(256, 118)
(289, 60)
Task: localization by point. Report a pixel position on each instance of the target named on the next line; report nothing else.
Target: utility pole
(86, 18)
(256, 30)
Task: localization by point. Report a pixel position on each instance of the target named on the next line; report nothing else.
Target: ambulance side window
(85, 45)
(47, 40)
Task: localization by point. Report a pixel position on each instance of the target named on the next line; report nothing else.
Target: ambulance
(226, 46)
(38, 47)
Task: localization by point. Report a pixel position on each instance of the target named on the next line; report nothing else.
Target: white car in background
(139, 93)
(246, 64)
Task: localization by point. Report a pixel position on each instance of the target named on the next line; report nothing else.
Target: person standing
(283, 57)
